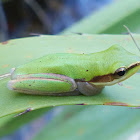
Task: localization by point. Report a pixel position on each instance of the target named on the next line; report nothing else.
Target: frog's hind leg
(44, 84)
(88, 89)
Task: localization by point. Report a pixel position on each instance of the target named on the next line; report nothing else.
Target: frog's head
(119, 65)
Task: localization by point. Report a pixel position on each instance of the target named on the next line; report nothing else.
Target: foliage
(108, 20)
(13, 103)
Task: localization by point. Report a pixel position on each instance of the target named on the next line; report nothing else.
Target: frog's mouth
(113, 78)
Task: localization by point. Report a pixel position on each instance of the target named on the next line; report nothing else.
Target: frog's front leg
(89, 89)
(43, 84)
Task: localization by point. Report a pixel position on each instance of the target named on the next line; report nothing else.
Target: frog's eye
(120, 71)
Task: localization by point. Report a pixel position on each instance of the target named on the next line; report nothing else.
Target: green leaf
(93, 122)
(19, 51)
(10, 123)
(110, 19)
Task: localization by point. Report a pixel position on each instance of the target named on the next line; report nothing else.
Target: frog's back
(80, 66)
(73, 65)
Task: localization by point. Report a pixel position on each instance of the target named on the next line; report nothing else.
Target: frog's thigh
(43, 84)
(88, 89)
